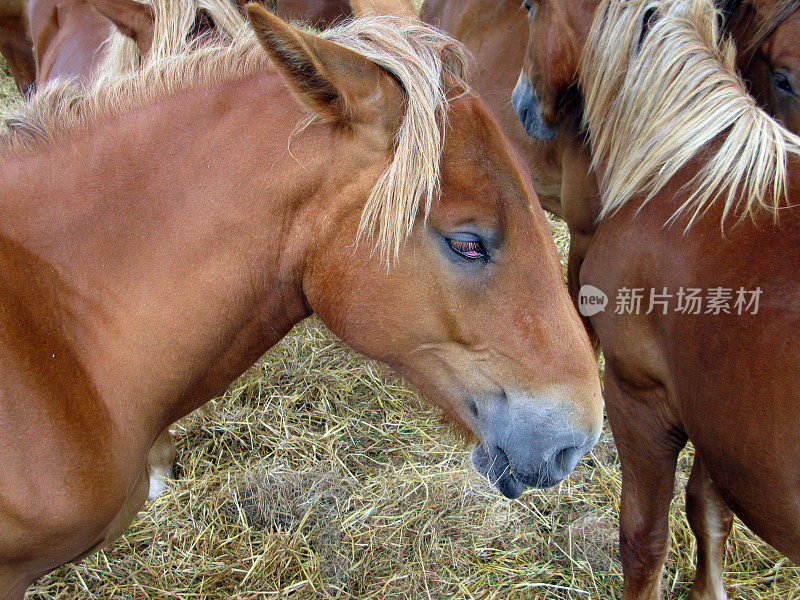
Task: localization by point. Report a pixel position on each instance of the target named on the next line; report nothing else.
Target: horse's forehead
(566, 18)
(470, 132)
(477, 156)
(783, 42)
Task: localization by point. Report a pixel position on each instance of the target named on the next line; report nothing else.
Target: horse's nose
(520, 99)
(533, 442)
(526, 104)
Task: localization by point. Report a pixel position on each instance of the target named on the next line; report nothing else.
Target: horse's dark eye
(527, 5)
(782, 82)
(471, 249)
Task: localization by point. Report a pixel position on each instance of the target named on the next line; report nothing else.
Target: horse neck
(180, 241)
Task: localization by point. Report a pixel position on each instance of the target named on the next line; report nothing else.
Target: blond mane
(174, 20)
(417, 55)
(660, 85)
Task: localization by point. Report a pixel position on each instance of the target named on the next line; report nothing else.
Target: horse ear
(397, 8)
(270, 5)
(132, 18)
(335, 83)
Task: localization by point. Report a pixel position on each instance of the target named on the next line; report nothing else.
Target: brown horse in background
(496, 33)
(82, 38)
(552, 104)
(141, 279)
(319, 13)
(15, 44)
(89, 38)
(714, 377)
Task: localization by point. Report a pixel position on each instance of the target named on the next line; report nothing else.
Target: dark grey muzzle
(525, 102)
(528, 443)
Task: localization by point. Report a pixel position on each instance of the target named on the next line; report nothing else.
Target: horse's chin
(536, 128)
(497, 470)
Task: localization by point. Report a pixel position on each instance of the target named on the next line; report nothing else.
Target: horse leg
(159, 464)
(711, 521)
(580, 200)
(578, 243)
(648, 451)
(130, 508)
(12, 586)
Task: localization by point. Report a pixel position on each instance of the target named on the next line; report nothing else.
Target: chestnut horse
(15, 44)
(87, 38)
(319, 13)
(677, 118)
(496, 33)
(208, 176)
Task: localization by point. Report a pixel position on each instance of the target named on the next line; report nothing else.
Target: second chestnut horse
(706, 351)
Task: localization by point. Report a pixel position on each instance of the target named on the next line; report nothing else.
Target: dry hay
(318, 475)
(8, 91)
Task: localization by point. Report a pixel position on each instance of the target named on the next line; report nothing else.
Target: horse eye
(782, 82)
(527, 5)
(471, 249)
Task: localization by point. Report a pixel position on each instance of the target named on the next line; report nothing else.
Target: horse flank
(659, 83)
(417, 55)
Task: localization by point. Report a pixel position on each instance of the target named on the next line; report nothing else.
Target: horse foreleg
(711, 521)
(648, 451)
(130, 508)
(12, 586)
(159, 464)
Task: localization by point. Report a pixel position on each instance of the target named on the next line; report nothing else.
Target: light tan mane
(174, 20)
(417, 55)
(659, 85)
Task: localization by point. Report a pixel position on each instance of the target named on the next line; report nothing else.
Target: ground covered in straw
(319, 475)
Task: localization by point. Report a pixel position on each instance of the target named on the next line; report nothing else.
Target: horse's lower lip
(534, 482)
(537, 129)
(497, 470)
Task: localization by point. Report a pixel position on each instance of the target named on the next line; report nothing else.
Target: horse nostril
(472, 407)
(566, 459)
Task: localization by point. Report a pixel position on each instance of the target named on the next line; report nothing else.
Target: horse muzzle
(529, 443)
(526, 104)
